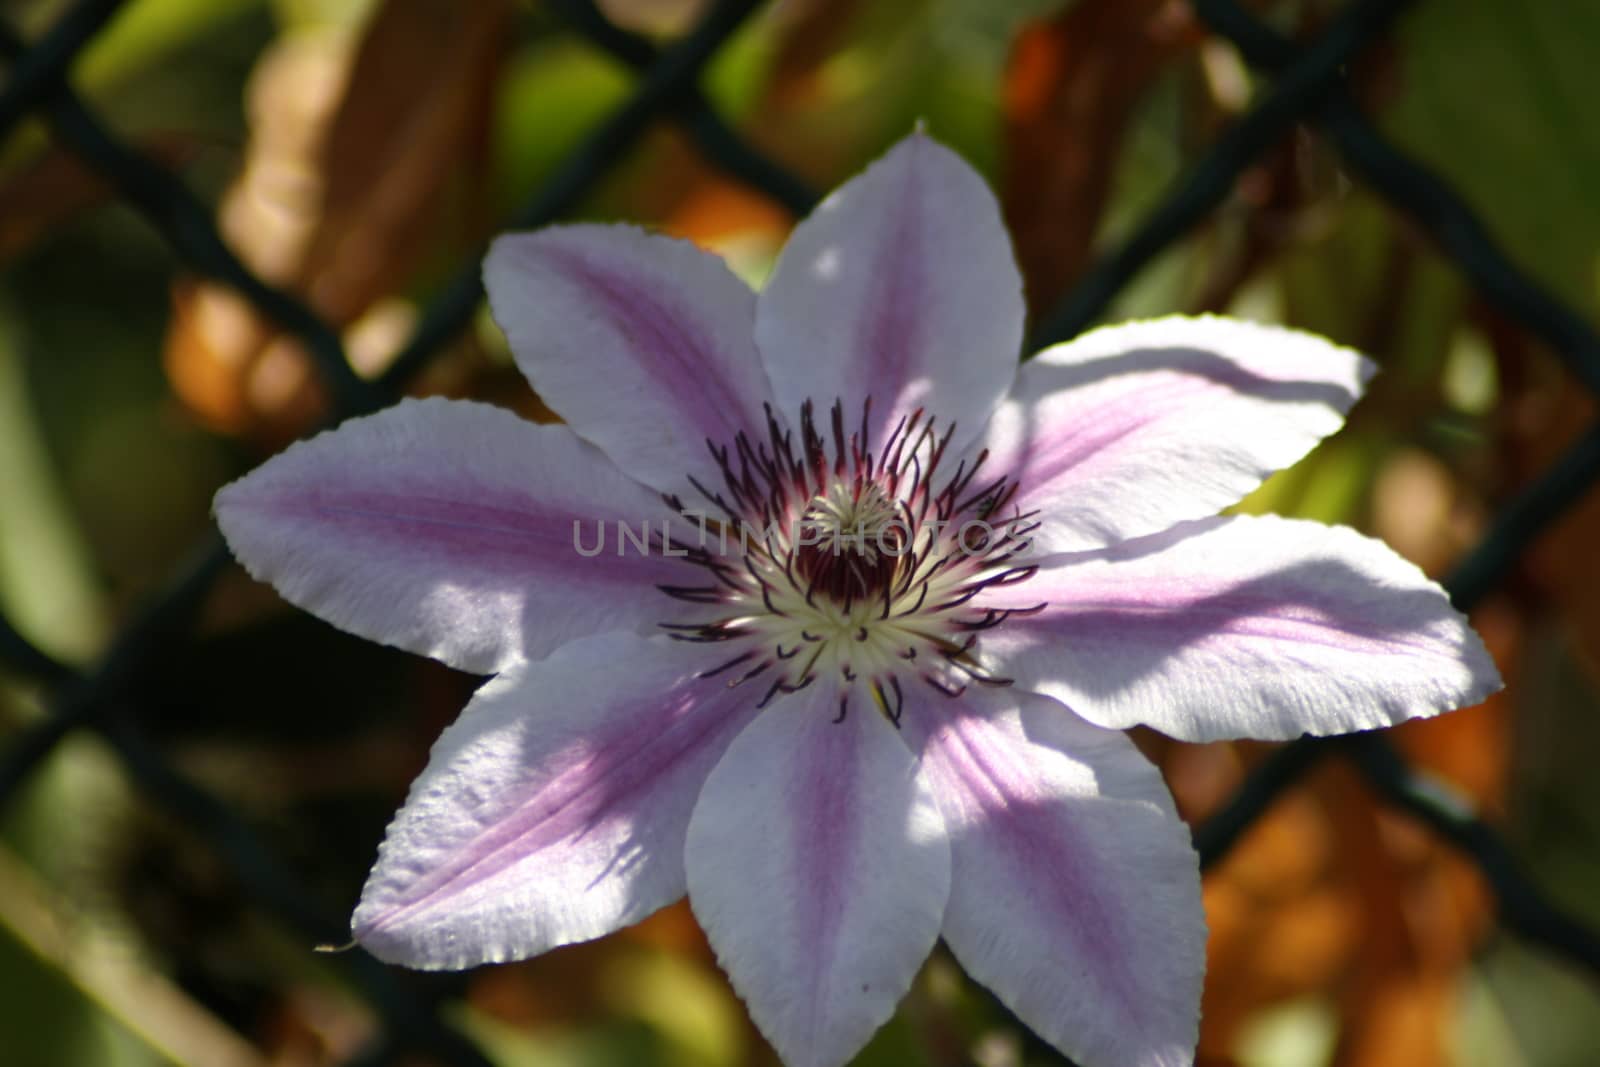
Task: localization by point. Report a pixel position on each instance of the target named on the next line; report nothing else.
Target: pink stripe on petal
(487, 529)
(817, 866)
(644, 344)
(893, 319)
(1244, 627)
(826, 834)
(446, 528)
(1131, 428)
(1075, 893)
(555, 809)
(677, 344)
(901, 286)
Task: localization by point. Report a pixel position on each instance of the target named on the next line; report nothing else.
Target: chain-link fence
(1308, 85)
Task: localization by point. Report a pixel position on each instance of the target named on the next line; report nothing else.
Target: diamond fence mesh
(1308, 86)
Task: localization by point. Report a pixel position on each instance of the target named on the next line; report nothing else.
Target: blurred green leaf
(683, 1001)
(735, 76)
(1360, 280)
(551, 95)
(1482, 1035)
(893, 1046)
(1332, 280)
(1496, 95)
(601, 1044)
(322, 12)
(982, 31)
(148, 30)
(1548, 1007)
(1330, 485)
(894, 68)
(78, 991)
(46, 583)
(48, 1022)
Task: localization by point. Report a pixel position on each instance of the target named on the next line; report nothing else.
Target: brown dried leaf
(354, 147)
(1071, 89)
(1333, 893)
(416, 108)
(1546, 415)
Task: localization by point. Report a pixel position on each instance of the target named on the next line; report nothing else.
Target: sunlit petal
(819, 868)
(446, 528)
(901, 287)
(1132, 428)
(1075, 893)
(1245, 627)
(554, 810)
(642, 343)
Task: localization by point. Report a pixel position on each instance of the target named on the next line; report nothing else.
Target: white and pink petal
(644, 344)
(555, 809)
(1243, 627)
(1075, 891)
(1131, 428)
(446, 528)
(901, 287)
(819, 870)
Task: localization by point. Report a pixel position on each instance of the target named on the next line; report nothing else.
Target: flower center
(851, 540)
(829, 559)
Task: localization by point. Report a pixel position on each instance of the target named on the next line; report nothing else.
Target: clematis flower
(872, 608)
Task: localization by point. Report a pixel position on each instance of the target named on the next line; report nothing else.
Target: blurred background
(166, 872)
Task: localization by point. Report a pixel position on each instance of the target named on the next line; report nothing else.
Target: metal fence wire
(1309, 86)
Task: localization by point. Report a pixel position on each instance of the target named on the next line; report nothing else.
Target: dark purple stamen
(822, 518)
